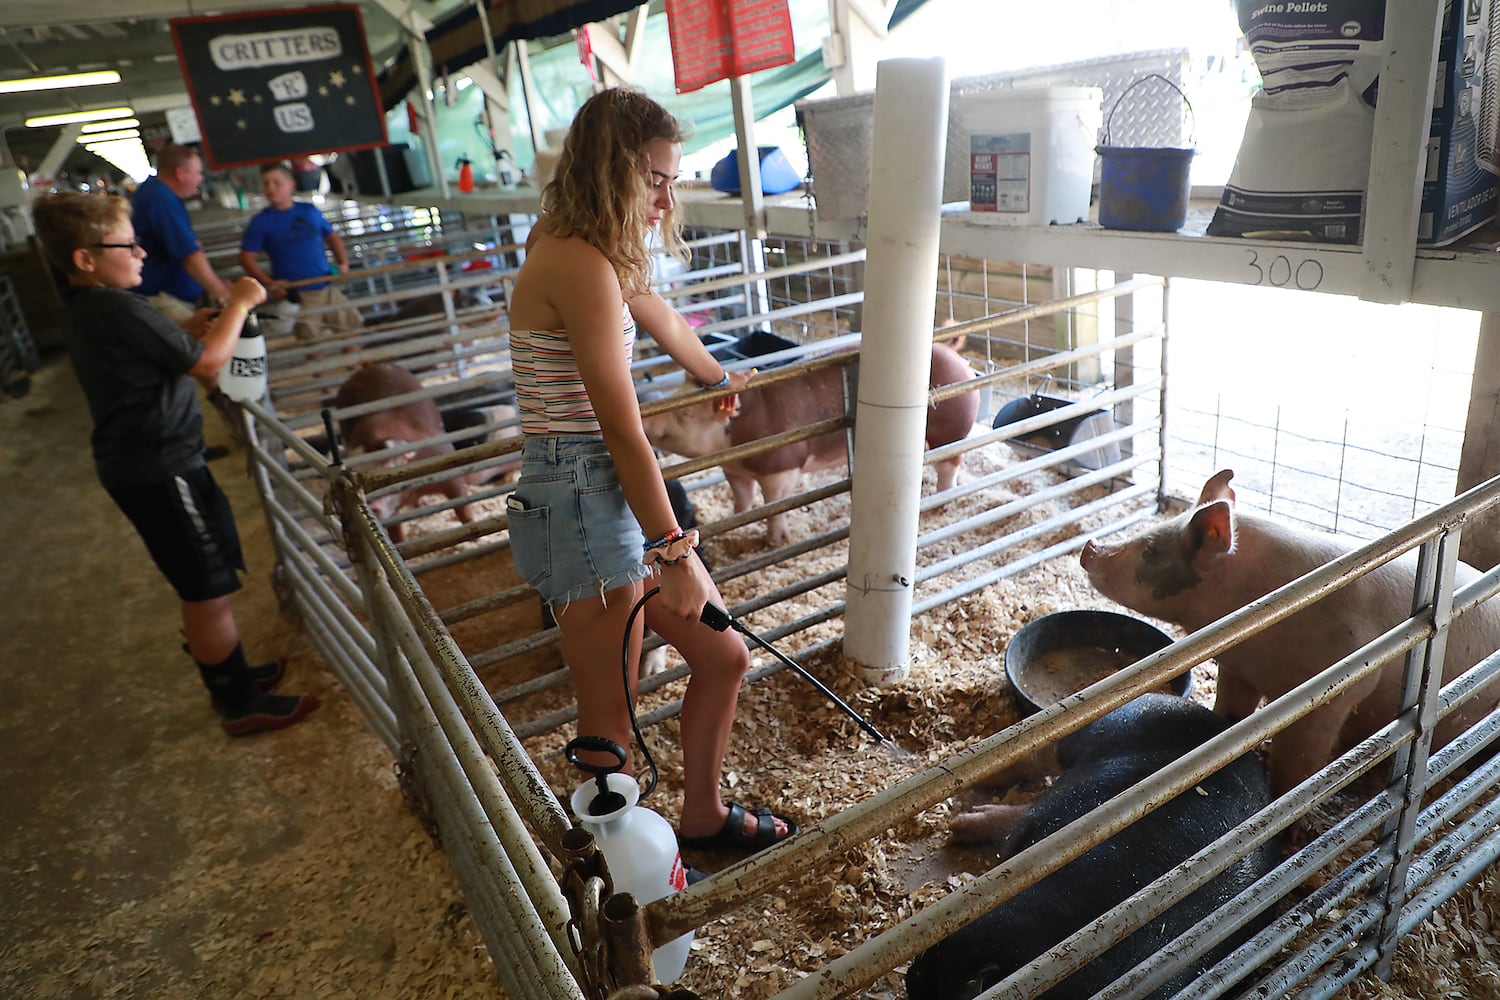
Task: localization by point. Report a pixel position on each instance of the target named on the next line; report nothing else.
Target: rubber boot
(265, 675)
(245, 707)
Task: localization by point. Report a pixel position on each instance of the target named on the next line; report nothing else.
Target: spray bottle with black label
(243, 377)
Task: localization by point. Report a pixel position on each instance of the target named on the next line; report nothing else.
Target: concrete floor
(143, 853)
(97, 693)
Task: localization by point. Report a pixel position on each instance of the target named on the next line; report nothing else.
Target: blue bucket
(1144, 188)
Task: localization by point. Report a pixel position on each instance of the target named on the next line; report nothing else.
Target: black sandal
(732, 835)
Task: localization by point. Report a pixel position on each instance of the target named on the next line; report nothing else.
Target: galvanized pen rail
(539, 891)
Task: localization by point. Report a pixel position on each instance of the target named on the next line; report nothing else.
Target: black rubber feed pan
(1091, 424)
(1063, 653)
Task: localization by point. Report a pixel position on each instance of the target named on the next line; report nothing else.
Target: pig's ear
(1217, 488)
(1211, 529)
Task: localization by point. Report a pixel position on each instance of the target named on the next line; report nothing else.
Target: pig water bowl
(1063, 653)
(1061, 434)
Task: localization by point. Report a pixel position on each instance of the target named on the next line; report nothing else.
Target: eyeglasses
(133, 245)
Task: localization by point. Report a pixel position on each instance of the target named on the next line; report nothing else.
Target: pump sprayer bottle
(465, 175)
(243, 377)
(639, 846)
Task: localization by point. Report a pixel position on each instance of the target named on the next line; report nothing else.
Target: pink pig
(695, 431)
(390, 428)
(1212, 560)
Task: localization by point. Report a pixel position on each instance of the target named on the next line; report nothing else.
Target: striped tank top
(549, 390)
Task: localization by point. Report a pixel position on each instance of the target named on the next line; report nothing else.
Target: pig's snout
(386, 506)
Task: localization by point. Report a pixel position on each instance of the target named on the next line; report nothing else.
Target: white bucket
(1031, 153)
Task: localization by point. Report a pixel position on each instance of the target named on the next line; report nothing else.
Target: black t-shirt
(132, 363)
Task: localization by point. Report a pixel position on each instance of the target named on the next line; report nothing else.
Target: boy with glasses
(136, 368)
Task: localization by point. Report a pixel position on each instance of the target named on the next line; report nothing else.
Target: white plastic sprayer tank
(640, 849)
(243, 377)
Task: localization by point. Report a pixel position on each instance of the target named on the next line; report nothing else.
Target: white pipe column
(906, 196)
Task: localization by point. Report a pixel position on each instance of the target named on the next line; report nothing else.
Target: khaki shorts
(171, 306)
(321, 325)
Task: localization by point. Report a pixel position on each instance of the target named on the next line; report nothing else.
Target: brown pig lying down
(1212, 560)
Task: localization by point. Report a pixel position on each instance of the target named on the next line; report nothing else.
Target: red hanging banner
(716, 39)
(586, 50)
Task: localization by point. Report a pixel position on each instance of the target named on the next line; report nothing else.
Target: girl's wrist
(721, 383)
(664, 540)
(670, 553)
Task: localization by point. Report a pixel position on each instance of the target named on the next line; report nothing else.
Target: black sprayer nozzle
(716, 617)
(333, 437)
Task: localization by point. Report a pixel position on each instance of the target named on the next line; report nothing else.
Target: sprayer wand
(718, 619)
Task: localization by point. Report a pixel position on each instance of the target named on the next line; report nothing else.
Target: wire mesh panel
(1347, 416)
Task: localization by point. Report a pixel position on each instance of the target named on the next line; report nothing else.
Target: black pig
(1101, 760)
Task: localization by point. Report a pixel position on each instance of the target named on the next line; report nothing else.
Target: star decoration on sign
(242, 124)
(215, 100)
(236, 97)
(336, 78)
(354, 70)
(322, 91)
(258, 99)
(349, 100)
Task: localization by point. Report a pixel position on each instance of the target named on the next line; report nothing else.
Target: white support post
(752, 198)
(66, 141)
(421, 61)
(855, 40)
(1403, 115)
(906, 195)
(490, 78)
(528, 92)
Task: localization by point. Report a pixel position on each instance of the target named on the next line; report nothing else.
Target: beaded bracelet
(664, 555)
(717, 385)
(664, 540)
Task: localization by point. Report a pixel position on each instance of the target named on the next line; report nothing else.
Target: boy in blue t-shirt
(296, 238)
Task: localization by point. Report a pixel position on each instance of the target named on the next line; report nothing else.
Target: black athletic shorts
(188, 527)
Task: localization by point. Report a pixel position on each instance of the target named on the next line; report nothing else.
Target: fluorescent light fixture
(111, 125)
(103, 114)
(124, 133)
(127, 154)
(64, 82)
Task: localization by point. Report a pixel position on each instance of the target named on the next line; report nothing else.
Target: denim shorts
(571, 533)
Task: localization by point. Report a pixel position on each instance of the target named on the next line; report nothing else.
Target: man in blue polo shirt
(176, 271)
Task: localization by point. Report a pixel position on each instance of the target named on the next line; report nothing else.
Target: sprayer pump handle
(595, 744)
